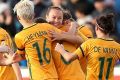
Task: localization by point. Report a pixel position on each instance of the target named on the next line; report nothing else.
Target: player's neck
(103, 36)
(27, 24)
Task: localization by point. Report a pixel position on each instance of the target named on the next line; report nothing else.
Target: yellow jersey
(102, 56)
(35, 43)
(85, 33)
(85, 30)
(67, 70)
(5, 70)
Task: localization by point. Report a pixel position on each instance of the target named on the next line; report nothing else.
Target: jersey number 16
(45, 50)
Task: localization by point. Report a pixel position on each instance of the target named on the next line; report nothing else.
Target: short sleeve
(86, 31)
(19, 45)
(82, 36)
(83, 50)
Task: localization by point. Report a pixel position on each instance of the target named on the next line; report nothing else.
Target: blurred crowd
(84, 12)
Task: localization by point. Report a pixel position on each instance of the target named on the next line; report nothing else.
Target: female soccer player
(5, 64)
(34, 44)
(66, 70)
(101, 52)
(60, 19)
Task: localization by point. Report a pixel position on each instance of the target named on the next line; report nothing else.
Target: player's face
(55, 17)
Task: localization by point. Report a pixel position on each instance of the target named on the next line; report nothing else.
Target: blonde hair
(25, 9)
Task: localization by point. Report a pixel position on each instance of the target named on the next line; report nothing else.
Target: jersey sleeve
(19, 45)
(82, 36)
(85, 31)
(83, 50)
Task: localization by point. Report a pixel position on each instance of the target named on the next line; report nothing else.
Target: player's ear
(96, 28)
(68, 21)
(18, 17)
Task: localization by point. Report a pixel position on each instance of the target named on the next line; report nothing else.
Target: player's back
(37, 46)
(67, 70)
(4, 70)
(102, 57)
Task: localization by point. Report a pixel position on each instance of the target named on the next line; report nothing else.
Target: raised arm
(72, 38)
(67, 56)
(79, 53)
(69, 36)
(6, 59)
(10, 55)
(75, 39)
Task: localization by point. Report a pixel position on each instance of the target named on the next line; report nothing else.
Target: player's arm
(67, 56)
(77, 38)
(82, 51)
(72, 38)
(72, 35)
(16, 66)
(20, 48)
(79, 35)
(73, 28)
(57, 34)
(69, 36)
(17, 71)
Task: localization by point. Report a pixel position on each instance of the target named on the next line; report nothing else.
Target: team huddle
(58, 48)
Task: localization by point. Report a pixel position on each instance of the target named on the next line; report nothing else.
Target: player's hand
(59, 48)
(74, 24)
(73, 28)
(12, 58)
(9, 59)
(4, 49)
(55, 36)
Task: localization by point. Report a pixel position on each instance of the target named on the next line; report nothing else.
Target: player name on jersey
(34, 35)
(105, 50)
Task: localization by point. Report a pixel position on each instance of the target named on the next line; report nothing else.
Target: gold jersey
(101, 57)
(67, 70)
(6, 72)
(35, 43)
